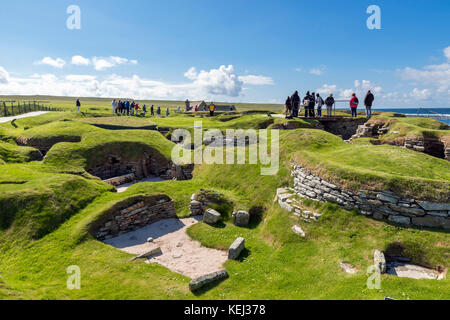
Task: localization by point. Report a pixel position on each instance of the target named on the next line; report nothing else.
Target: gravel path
(21, 116)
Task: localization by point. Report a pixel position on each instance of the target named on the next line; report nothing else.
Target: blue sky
(239, 51)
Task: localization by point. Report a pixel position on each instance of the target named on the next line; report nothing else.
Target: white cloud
(4, 76)
(76, 77)
(106, 63)
(424, 94)
(360, 87)
(299, 69)
(318, 71)
(56, 63)
(447, 52)
(213, 85)
(434, 79)
(191, 74)
(80, 61)
(256, 80)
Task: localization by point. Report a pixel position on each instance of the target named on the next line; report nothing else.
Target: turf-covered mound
(12, 153)
(35, 200)
(369, 167)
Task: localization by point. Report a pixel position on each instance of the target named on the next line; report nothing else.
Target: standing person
(368, 101)
(312, 105)
(320, 103)
(144, 110)
(212, 108)
(152, 111)
(119, 107)
(114, 106)
(354, 102)
(288, 108)
(295, 101)
(127, 107)
(158, 111)
(306, 103)
(179, 109)
(196, 108)
(136, 109)
(133, 104)
(330, 103)
(167, 112)
(78, 105)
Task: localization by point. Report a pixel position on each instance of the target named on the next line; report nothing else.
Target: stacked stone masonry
(380, 205)
(136, 216)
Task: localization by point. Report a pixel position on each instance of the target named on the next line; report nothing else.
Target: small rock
(236, 249)
(150, 240)
(299, 231)
(179, 244)
(211, 217)
(207, 279)
(242, 218)
(347, 268)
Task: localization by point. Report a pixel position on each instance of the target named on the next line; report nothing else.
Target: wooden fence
(14, 108)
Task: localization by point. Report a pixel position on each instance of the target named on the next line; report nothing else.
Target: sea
(423, 112)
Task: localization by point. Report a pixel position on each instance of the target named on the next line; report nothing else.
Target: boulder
(387, 198)
(211, 217)
(242, 218)
(198, 283)
(379, 261)
(236, 249)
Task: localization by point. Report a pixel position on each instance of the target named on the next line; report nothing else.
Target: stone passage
(342, 127)
(129, 217)
(381, 205)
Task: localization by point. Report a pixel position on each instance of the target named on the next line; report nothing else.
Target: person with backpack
(354, 102)
(78, 105)
(329, 102)
(288, 105)
(295, 101)
(368, 101)
(320, 103)
(158, 111)
(167, 112)
(152, 111)
(127, 107)
(312, 105)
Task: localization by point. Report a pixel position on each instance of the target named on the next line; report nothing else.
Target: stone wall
(132, 215)
(344, 128)
(380, 205)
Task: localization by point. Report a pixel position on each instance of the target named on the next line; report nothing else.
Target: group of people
(311, 100)
(132, 108)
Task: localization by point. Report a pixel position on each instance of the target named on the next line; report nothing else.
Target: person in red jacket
(354, 102)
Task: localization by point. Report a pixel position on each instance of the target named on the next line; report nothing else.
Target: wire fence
(14, 108)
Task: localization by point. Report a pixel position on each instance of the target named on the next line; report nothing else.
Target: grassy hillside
(45, 218)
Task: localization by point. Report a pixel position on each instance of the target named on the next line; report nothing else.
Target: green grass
(46, 216)
(12, 153)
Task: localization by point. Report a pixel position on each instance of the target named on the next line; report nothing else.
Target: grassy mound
(369, 167)
(12, 153)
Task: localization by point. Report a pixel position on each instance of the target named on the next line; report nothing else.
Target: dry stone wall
(130, 217)
(380, 205)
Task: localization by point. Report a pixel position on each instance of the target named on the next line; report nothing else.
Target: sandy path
(179, 252)
(21, 116)
(124, 187)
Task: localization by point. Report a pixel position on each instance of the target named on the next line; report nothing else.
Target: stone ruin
(133, 214)
(117, 171)
(381, 205)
